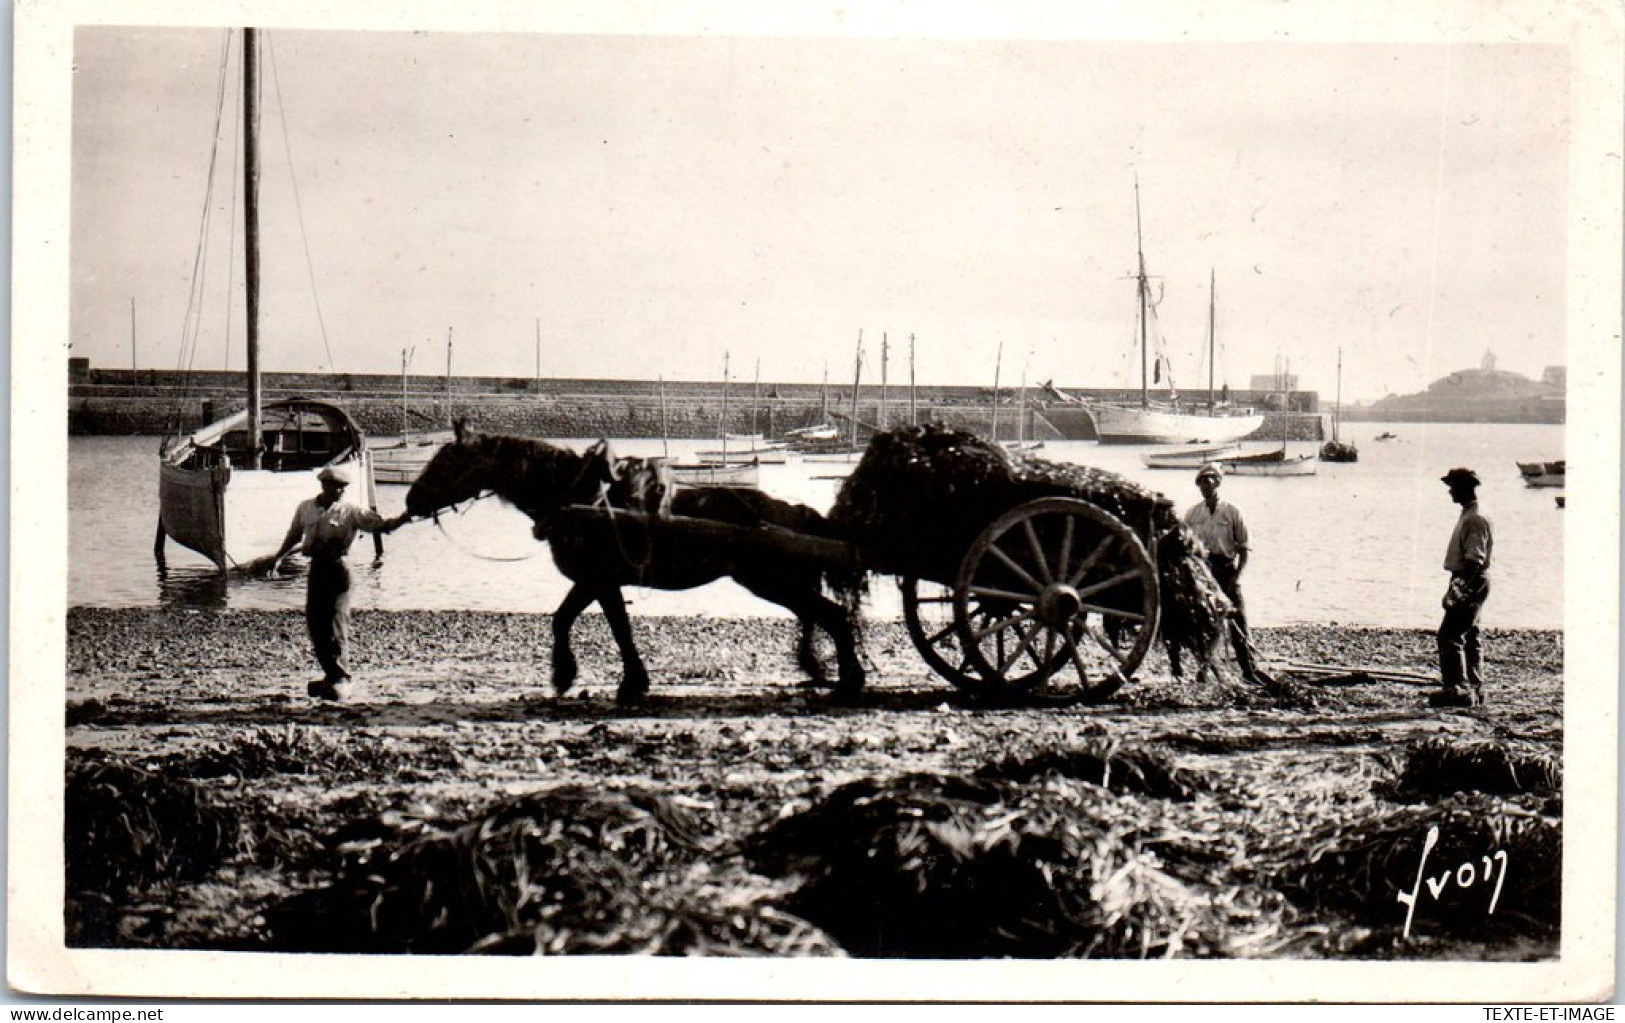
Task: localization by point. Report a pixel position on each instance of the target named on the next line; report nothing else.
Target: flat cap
(1210, 472)
(1461, 476)
(334, 474)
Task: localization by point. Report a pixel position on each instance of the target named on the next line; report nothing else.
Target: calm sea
(1356, 544)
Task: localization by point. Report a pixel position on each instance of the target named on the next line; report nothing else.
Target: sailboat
(228, 490)
(401, 459)
(1196, 457)
(1151, 422)
(1336, 450)
(724, 469)
(754, 449)
(842, 453)
(1277, 462)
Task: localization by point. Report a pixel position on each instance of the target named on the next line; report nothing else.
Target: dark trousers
(1229, 580)
(1459, 654)
(327, 614)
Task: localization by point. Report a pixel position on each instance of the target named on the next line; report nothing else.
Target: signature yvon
(1465, 876)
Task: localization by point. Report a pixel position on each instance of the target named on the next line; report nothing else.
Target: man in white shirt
(323, 529)
(1220, 527)
(1467, 559)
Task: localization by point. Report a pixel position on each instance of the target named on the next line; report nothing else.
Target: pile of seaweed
(1441, 766)
(127, 827)
(568, 871)
(922, 494)
(1474, 866)
(927, 866)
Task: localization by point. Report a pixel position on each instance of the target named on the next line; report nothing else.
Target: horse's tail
(850, 585)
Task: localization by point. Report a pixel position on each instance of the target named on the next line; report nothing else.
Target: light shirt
(1471, 540)
(1221, 530)
(328, 532)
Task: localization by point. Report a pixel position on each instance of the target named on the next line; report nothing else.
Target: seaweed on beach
(1140, 771)
(127, 827)
(1460, 859)
(570, 871)
(921, 866)
(292, 749)
(1441, 766)
(921, 494)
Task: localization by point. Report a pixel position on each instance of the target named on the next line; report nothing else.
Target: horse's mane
(528, 473)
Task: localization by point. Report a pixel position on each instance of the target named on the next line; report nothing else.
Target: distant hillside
(1473, 396)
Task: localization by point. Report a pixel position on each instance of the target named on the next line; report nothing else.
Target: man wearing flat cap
(1219, 525)
(1467, 559)
(323, 528)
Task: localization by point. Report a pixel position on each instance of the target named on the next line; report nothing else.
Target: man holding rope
(1219, 525)
(323, 528)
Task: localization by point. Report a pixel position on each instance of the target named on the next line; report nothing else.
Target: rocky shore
(1231, 821)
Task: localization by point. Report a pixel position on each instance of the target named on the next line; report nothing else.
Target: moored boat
(213, 500)
(400, 459)
(228, 490)
(1544, 474)
(1216, 422)
(714, 474)
(1272, 463)
(1189, 458)
(1337, 449)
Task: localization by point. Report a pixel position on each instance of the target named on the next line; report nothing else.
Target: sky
(633, 206)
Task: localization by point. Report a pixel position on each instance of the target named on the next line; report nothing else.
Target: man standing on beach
(1219, 525)
(323, 528)
(1467, 559)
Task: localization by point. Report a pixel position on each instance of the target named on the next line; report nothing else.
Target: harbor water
(1355, 544)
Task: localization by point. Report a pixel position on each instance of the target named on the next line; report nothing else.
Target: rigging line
(187, 355)
(299, 210)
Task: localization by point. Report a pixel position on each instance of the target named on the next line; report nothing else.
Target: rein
(472, 553)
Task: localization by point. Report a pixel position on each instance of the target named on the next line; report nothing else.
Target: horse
(603, 552)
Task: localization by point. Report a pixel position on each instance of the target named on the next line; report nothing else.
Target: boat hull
(1189, 458)
(1302, 465)
(401, 462)
(745, 474)
(233, 515)
(1121, 425)
(761, 456)
(1544, 474)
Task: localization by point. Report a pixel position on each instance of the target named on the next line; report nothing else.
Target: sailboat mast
(1211, 303)
(998, 359)
(251, 236)
(913, 413)
(724, 429)
(1337, 413)
(665, 449)
(755, 401)
(880, 409)
(403, 398)
(857, 377)
(1139, 246)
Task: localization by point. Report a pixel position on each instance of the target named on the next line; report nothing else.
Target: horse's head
(460, 471)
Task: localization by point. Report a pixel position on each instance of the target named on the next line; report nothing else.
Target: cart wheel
(1056, 595)
(928, 612)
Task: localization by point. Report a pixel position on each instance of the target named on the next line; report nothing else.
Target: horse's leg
(804, 596)
(807, 655)
(564, 619)
(634, 677)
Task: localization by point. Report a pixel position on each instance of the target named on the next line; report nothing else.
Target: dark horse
(600, 553)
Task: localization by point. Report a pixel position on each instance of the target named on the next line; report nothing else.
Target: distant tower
(1488, 364)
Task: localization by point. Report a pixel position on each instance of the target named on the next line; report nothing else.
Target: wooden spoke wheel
(1056, 595)
(928, 613)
